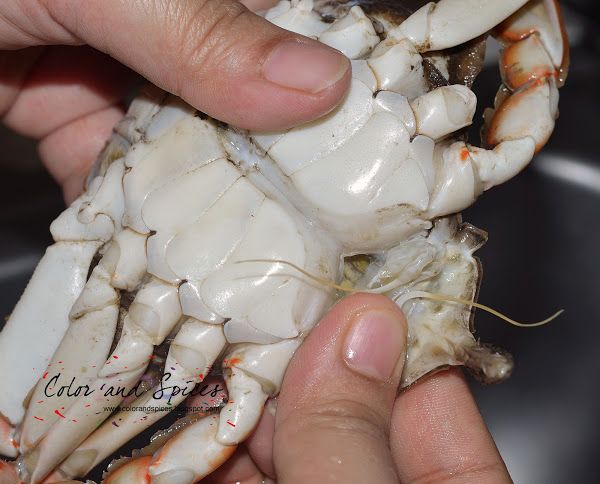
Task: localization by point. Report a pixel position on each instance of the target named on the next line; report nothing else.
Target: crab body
(223, 241)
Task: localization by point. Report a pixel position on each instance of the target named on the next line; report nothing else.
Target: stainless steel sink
(542, 255)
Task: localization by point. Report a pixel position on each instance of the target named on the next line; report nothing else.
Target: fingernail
(309, 67)
(374, 344)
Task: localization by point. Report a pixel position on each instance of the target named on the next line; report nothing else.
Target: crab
(225, 247)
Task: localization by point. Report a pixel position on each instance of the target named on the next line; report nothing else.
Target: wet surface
(542, 255)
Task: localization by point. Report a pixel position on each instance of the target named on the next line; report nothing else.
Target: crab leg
(198, 461)
(39, 321)
(41, 317)
(44, 312)
(533, 67)
(191, 354)
(135, 471)
(253, 373)
(152, 316)
(448, 23)
(94, 315)
(156, 308)
(73, 363)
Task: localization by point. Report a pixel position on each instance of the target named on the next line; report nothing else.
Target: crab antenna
(320, 280)
(408, 296)
(450, 299)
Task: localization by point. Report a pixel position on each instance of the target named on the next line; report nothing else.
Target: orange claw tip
(464, 154)
(133, 472)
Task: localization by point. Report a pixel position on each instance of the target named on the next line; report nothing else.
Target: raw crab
(227, 244)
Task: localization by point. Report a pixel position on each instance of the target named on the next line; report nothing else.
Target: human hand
(340, 419)
(57, 84)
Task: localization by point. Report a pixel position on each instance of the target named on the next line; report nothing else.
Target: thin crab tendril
(321, 280)
(450, 299)
(400, 300)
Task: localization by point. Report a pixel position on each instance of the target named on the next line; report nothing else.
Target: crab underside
(198, 245)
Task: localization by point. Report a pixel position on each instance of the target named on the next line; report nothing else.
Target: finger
(66, 83)
(215, 54)
(260, 443)
(14, 67)
(258, 5)
(239, 469)
(438, 434)
(334, 408)
(69, 152)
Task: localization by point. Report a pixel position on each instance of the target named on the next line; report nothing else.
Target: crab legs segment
(44, 313)
(40, 320)
(252, 374)
(533, 66)
(448, 23)
(192, 352)
(93, 318)
(85, 227)
(152, 316)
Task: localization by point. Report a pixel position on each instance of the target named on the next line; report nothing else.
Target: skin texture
(213, 53)
(65, 66)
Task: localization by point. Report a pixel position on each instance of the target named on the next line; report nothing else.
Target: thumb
(215, 54)
(334, 409)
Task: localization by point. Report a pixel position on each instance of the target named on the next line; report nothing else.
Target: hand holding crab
(251, 285)
(339, 416)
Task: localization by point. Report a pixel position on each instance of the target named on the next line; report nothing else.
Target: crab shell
(223, 241)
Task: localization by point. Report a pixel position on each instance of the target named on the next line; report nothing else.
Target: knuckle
(342, 416)
(203, 29)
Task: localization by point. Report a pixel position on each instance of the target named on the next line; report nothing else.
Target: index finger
(438, 434)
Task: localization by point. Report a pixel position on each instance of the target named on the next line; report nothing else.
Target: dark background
(542, 255)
